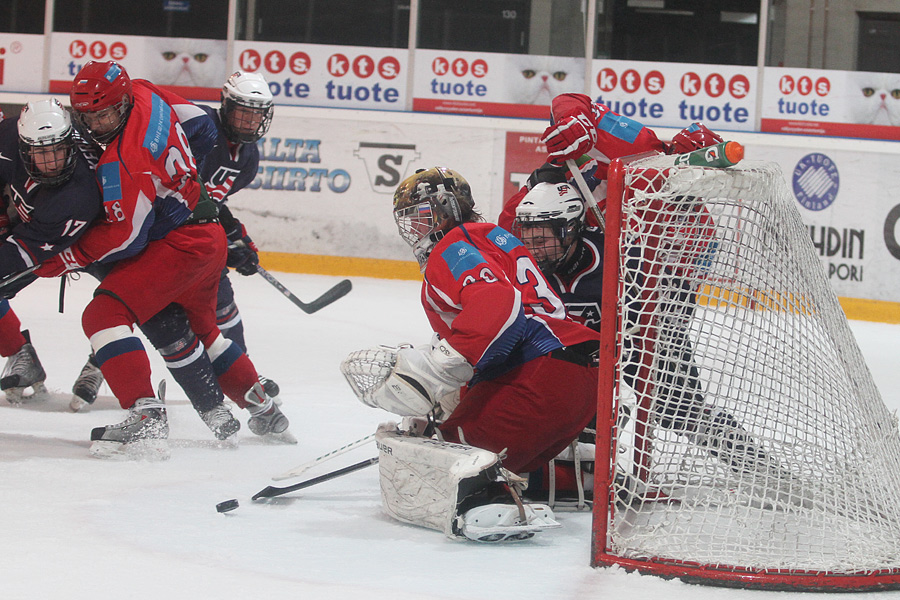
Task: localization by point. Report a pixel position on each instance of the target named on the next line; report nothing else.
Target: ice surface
(76, 527)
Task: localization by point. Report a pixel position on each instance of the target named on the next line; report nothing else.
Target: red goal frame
(604, 506)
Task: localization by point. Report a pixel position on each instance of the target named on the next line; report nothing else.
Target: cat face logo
(816, 181)
(386, 164)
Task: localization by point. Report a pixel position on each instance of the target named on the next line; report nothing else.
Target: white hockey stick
(300, 469)
(586, 192)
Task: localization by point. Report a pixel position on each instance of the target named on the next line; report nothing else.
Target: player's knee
(104, 312)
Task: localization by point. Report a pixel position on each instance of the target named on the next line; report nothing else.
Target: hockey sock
(11, 338)
(228, 319)
(119, 353)
(185, 357)
(233, 367)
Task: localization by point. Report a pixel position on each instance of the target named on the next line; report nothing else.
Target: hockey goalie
(508, 382)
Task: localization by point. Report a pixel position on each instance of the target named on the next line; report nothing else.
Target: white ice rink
(76, 527)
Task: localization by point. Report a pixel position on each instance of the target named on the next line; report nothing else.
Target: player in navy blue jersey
(52, 196)
(550, 219)
(243, 117)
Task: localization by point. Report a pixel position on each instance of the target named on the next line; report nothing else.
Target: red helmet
(99, 86)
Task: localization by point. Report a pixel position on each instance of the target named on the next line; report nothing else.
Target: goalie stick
(341, 289)
(273, 491)
(300, 469)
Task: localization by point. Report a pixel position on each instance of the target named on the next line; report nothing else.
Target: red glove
(63, 262)
(51, 267)
(570, 137)
(693, 137)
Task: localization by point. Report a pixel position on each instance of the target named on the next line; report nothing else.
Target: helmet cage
(44, 131)
(118, 111)
(421, 225)
(532, 231)
(102, 94)
(247, 108)
(241, 123)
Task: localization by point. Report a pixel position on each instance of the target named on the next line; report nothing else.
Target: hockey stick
(10, 279)
(300, 469)
(272, 491)
(341, 289)
(586, 192)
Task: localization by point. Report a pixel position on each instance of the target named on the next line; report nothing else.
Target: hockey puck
(224, 507)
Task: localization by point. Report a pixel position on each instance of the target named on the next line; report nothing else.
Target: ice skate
(87, 386)
(142, 435)
(271, 388)
(23, 370)
(506, 522)
(266, 419)
(221, 422)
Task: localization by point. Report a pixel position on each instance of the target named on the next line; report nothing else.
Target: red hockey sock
(237, 380)
(11, 338)
(119, 353)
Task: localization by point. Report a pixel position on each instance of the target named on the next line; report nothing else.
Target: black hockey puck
(226, 506)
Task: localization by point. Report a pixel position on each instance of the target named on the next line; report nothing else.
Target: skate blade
(285, 437)
(149, 450)
(17, 395)
(76, 404)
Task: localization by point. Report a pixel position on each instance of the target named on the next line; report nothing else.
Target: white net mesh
(756, 430)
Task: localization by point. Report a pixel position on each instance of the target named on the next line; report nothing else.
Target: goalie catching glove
(408, 381)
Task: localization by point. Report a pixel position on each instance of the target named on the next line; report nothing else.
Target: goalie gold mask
(429, 203)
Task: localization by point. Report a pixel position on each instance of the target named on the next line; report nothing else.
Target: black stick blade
(273, 491)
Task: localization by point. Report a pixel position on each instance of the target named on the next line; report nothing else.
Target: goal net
(750, 445)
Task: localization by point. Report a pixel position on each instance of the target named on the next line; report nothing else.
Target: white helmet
(554, 206)
(44, 128)
(250, 92)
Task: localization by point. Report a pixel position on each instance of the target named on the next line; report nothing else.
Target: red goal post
(749, 444)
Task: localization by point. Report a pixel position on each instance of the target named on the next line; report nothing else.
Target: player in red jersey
(161, 236)
(530, 387)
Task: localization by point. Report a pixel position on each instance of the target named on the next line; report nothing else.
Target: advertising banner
(325, 185)
(832, 103)
(21, 57)
(192, 68)
(850, 200)
(321, 75)
(678, 94)
(506, 85)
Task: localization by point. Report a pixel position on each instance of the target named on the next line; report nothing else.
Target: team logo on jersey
(386, 164)
(585, 312)
(816, 181)
(503, 239)
(461, 257)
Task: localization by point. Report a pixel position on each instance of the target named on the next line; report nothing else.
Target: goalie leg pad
(423, 480)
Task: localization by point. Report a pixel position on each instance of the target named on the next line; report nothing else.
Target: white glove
(408, 381)
(432, 375)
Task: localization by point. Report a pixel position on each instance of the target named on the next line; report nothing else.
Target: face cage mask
(238, 127)
(563, 232)
(59, 175)
(119, 111)
(418, 226)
